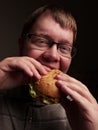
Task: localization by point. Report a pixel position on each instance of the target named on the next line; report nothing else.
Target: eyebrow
(66, 42)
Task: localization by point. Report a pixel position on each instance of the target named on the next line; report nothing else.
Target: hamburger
(45, 89)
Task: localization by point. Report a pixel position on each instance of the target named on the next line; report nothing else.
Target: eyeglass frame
(51, 43)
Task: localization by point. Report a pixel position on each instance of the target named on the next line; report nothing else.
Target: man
(46, 42)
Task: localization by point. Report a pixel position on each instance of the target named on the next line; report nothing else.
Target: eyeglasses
(44, 42)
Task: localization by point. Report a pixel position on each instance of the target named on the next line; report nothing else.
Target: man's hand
(83, 110)
(16, 71)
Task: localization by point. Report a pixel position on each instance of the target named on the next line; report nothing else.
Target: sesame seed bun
(46, 88)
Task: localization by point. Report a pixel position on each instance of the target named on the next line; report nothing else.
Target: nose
(51, 54)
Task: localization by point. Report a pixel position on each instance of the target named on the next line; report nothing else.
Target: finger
(23, 64)
(32, 68)
(67, 78)
(78, 97)
(76, 86)
(47, 68)
(39, 67)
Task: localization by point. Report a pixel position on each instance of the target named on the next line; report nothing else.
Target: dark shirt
(19, 111)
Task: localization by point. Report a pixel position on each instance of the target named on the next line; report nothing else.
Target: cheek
(32, 53)
(28, 50)
(65, 64)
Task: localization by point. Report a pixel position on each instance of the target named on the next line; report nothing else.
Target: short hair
(60, 15)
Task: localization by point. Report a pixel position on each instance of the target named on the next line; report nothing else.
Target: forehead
(46, 24)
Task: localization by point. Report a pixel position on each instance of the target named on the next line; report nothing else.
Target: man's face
(46, 25)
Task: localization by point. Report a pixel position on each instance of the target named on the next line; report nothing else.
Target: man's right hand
(16, 71)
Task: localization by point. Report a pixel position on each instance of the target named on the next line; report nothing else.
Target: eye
(40, 41)
(65, 48)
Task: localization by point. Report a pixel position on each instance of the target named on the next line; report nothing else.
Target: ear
(21, 45)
